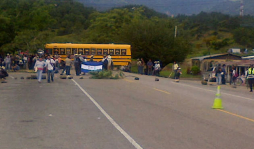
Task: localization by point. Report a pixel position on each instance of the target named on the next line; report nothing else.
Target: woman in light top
(39, 65)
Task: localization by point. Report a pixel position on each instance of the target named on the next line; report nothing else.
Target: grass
(167, 71)
(184, 74)
(134, 69)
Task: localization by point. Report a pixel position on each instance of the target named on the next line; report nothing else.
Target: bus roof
(71, 45)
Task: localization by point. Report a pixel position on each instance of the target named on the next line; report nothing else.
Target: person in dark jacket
(77, 64)
(223, 74)
(3, 74)
(62, 66)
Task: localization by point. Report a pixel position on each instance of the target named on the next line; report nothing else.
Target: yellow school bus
(120, 53)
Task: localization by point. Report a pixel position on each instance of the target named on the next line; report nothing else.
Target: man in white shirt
(50, 66)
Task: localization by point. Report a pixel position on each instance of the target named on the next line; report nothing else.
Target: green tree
(105, 26)
(155, 40)
(6, 30)
(32, 40)
(244, 36)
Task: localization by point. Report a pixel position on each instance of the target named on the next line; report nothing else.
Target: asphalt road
(123, 114)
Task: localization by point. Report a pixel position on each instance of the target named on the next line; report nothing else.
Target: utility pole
(241, 9)
(175, 31)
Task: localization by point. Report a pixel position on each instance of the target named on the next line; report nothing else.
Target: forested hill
(27, 25)
(175, 7)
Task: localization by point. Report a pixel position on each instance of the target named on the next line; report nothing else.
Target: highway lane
(53, 116)
(194, 124)
(161, 114)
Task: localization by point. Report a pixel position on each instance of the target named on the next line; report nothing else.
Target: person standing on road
(250, 77)
(234, 75)
(7, 61)
(139, 65)
(223, 74)
(25, 62)
(109, 62)
(143, 64)
(218, 74)
(50, 66)
(157, 68)
(68, 63)
(38, 66)
(231, 75)
(62, 66)
(77, 64)
(150, 67)
(105, 63)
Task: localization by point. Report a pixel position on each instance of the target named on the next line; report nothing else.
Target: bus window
(105, 51)
(117, 51)
(123, 51)
(74, 51)
(68, 51)
(99, 51)
(87, 51)
(56, 51)
(111, 51)
(48, 51)
(62, 51)
(93, 52)
(80, 51)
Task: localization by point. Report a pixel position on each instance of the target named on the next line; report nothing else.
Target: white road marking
(215, 91)
(127, 136)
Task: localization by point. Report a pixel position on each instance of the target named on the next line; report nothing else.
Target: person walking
(250, 77)
(178, 73)
(175, 67)
(38, 66)
(50, 68)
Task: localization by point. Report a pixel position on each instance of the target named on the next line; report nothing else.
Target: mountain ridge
(175, 7)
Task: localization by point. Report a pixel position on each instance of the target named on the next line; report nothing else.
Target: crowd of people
(152, 68)
(148, 68)
(49, 64)
(246, 77)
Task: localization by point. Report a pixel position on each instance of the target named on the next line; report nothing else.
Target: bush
(106, 75)
(195, 70)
